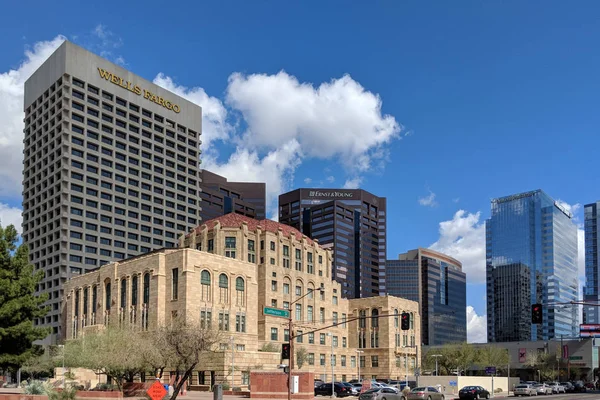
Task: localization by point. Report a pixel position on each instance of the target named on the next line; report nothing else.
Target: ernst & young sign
(117, 80)
(331, 194)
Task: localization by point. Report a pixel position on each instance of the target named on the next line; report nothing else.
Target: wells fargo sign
(117, 80)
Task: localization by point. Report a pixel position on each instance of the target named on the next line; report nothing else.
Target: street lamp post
(359, 352)
(291, 338)
(436, 362)
(232, 364)
(62, 346)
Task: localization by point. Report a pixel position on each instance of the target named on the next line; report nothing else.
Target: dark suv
(340, 390)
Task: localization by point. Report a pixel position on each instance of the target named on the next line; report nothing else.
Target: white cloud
(308, 181)
(463, 237)
(476, 326)
(338, 119)
(108, 42)
(428, 201)
(287, 122)
(456, 200)
(11, 114)
(10, 216)
(352, 183)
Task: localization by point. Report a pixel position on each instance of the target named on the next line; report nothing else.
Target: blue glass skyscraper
(531, 257)
(591, 291)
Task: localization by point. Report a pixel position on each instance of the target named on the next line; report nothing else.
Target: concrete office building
(220, 197)
(591, 290)
(529, 234)
(110, 170)
(232, 273)
(437, 282)
(350, 222)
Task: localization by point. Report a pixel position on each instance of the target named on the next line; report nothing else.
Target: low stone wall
(274, 385)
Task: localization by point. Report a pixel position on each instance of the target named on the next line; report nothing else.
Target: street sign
(453, 383)
(156, 391)
(490, 370)
(276, 312)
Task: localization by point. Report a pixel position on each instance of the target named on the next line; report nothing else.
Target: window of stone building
(230, 245)
(107, 291)
(309, 312)
(334, 300)
(134, 290)
(286, 256)
(311, 358)
(344, 341)
(374, 361)
(240, 292)
(272, 244)
(146, 294)
(321, 338)
(175, 284)
(375, 318)
(335, 317)
(298, 263)
(362, 319)
(123, 293)
(251, 251)
(206, 318)
(240, 322)
(309, 263)
(223, 289)
(343, 361)
(322, 314)
(396, 320)
(274, 334)
(205, 286)
(223, 320)
(211, 245)
(352, 361)
(412, 321)
(322, 359)
(311, 338)
(286, 288)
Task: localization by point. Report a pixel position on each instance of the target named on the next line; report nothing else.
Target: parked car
(557, 388)
(425, 392)
(325, 390)
(318, 382)
(590, 385)
(353, 390)
(543, 389)
(524, 389)
(579, 387)
(473, 392)
(568, 387)
(384, 393)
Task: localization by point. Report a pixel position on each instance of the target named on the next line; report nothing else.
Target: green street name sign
(276, 312)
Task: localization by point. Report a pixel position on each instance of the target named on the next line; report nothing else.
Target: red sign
(156, 391)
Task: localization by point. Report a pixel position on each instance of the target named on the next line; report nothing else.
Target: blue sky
(463, 101)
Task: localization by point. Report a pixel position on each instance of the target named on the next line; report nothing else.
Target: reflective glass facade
(352, 223)
(438, 283)
(591, 291)
(530, 234)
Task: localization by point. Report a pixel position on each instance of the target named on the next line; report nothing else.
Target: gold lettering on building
(117, 80)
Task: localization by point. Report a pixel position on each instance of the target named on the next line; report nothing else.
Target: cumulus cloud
(428, 201)
(476, 326)
(287, 122)
(352, 183)
(12, 85)
(10, 216)
(335, 119)
(105, 42)
(463, 237)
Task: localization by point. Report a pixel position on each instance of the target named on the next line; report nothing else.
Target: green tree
(493, 356)
(41, 365)
(19, 305)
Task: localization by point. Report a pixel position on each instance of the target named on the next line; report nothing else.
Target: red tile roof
(234, 220)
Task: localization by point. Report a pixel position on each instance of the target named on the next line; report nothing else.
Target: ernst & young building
(111, 168)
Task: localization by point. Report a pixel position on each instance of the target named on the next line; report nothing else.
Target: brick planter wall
(274, 385)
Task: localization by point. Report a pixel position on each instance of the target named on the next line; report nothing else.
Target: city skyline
(449, 107)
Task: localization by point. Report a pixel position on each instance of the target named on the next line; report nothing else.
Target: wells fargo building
(229, 273)
(110, 168)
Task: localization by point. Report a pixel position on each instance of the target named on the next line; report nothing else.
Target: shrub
(34, 387)
(225, 386)
(270, 347)
(68, 393)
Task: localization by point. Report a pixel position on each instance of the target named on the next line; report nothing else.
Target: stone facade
(235, 267)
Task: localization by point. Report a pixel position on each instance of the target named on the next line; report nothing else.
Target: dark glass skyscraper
(531, 257)
(352, 222)
(591, 291)
(437, 283)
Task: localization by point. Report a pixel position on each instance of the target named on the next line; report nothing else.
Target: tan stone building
(233, 272)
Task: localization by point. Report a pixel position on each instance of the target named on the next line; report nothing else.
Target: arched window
(362, 320)
(396, 319)
(134, 290)
(311, 289)
(123, 293)
(223, 289)
(412, 321)
(205, 285)
(240, 291)
(374, 318)
(77, 299)
(146, 288)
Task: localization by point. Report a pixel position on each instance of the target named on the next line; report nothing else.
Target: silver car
(542, 388)
(381, 393)
(557, 388)
(425, 393)
(524, 389)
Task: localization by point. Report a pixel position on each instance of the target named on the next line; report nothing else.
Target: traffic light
(536, 314)
(405, 323)
(285, 351)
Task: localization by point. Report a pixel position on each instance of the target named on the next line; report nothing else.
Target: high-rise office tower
(352, 222)
(531, 257)
(220, 197)
(591, 291)
(110, 170)
(437, 282)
